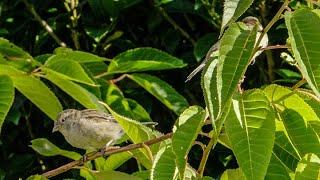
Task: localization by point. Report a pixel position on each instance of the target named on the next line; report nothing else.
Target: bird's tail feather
(195, 71)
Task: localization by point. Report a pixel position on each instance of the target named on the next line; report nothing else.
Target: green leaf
(188, 126)
(126, 107)
(234, 56)
(69, 70)
(35, 90)
(13, 55)
(139, 113)
(116, 160)
(284, 151)
(13, 52)
(6, 97)
(308, 168)
(232, 10)
(250, 126)
(301, 133)
(37, 177)
(137, 133)
(283, 98)
(46, 148)
(303, 27)
(74, 90)
(78, 56)
(143, 59)
(162, 91)
(277, 170)
(164, 166)
(233, 174)
(135, 130)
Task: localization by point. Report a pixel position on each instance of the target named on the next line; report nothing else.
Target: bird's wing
(95, 115)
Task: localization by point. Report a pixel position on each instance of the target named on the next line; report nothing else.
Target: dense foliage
(130, 58)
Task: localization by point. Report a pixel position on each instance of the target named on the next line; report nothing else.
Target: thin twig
(269, 25)
(299, 84)
(176, 26)
(46, 26)
(213, 141)
(97, 154)
(119, 78)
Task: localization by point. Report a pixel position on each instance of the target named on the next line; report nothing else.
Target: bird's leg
(108, 147)
(84, 158)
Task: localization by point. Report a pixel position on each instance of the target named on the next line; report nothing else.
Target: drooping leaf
(232, 10)
(188, 126)
(143, 59)
(74, 90)
(35, 90)
(46, 148)
(219, 84)
(162, 91)
(308, 167)
(6, 97)
(303, 27)
(250, 126)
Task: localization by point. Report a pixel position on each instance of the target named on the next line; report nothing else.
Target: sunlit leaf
(301, 133)
(232, 174)
(308, 168)
(164, 166)
(303, 27)
(233, 9)
(250, 127)
(220, 83)
(187, 128)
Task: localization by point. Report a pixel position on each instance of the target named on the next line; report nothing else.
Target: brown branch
(97, 154)
(46, 26)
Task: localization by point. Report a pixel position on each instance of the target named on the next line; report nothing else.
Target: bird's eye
(63, 119)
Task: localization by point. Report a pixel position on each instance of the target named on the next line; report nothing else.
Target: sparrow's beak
(55, 127)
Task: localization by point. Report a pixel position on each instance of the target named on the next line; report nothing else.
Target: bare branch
(92, 156)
